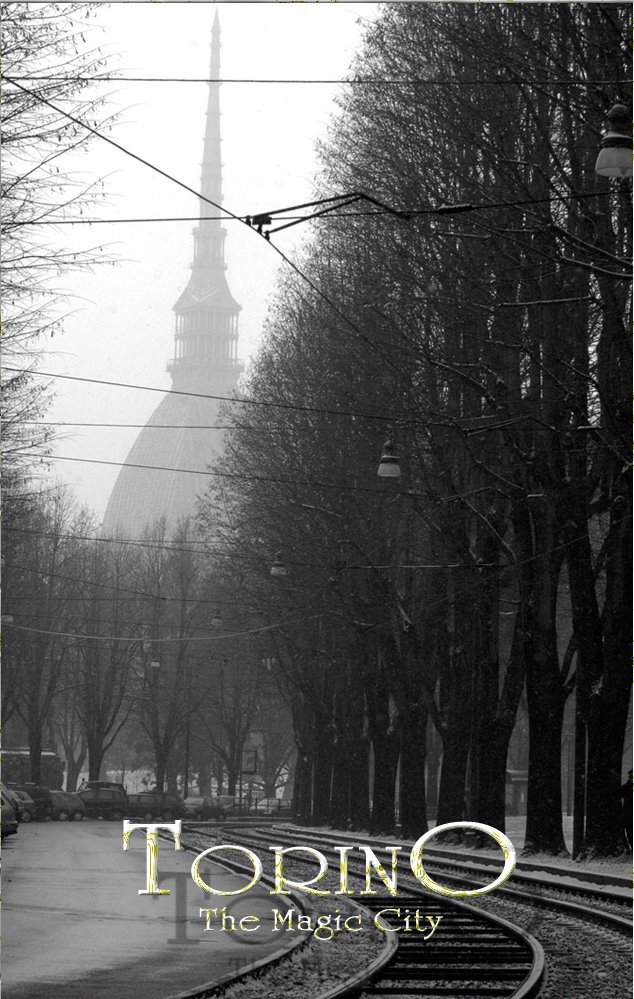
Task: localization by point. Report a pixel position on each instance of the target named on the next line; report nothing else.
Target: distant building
(179, 441)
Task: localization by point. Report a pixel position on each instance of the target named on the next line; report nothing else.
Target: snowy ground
(515, 829)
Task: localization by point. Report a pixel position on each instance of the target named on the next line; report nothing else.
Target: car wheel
(78, 816)
(62, 817)
(116, 815)
(168, 814)
(26, 816)
(198, 816)
(147, 817)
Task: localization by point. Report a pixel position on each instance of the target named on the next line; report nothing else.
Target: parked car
(9, 816)
(90, 785)
(41, 796)
(272, 806)
(151, 805)
(15, 802)
(203, 808)
(67, 806)
(104, 802)
(28, 808)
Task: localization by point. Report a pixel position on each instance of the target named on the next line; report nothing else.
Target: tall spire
(206, 335)
(211, 178)
(159, 477)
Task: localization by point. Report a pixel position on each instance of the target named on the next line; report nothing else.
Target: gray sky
(121, 322)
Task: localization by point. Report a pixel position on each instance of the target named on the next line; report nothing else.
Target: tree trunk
(413, 756)
(172, 778)
(301, 788)
(95, 758)
(544, 688)
(35, 753)
(358, 793)
(73, 769)
(204, 779)
(340, 779)
(386, 752)
(451, 793)
(160, 762)
(609, 700)
(434, 755)
(321, 775)
(544, 833)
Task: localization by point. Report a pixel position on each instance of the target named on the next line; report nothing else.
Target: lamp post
(614, 160)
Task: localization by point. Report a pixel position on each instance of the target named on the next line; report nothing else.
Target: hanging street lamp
(278, 568)
(389, 467)
(615, 157)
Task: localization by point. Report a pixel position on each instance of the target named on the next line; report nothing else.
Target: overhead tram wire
(457, 209)
(296, 407)
(354, 81)
(373, 347)
(139, 426)
(234, 476)
(123, 589)
(140, 159)
(465, 589)
(175, 638)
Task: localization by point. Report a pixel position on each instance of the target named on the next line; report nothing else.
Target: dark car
(42, 799)
(9, 816)
(104, 802)
(90, 785)
(15, 802)
(67, 806)
(151, 805)
(28, 808)
(203, 808)
(273, 806)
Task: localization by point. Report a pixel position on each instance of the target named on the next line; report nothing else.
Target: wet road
(74, 925)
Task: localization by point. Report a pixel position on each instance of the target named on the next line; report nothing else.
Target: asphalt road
(75, 927)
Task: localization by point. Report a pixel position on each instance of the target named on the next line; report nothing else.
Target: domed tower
(179, 440)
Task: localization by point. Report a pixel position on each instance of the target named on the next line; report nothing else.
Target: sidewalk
(74, 925)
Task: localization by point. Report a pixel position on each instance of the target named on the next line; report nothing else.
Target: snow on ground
(619, 867)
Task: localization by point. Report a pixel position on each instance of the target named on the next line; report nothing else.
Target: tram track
(472, 954)
(605, 903)
(583, 929)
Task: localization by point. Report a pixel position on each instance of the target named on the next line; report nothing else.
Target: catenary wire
(457, 209)
(389, 418)
(279, 624)
(386, 358)
(162, 641)
(138, 543)
(212, 474)
(120, 589)
(355, 81)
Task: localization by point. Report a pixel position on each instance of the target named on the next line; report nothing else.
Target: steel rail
(615, 922)
(219, 986)
(479, 866)
(497, 976)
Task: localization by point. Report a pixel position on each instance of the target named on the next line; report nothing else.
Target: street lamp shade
(615, 157)
(278, 568)
(389, 467)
